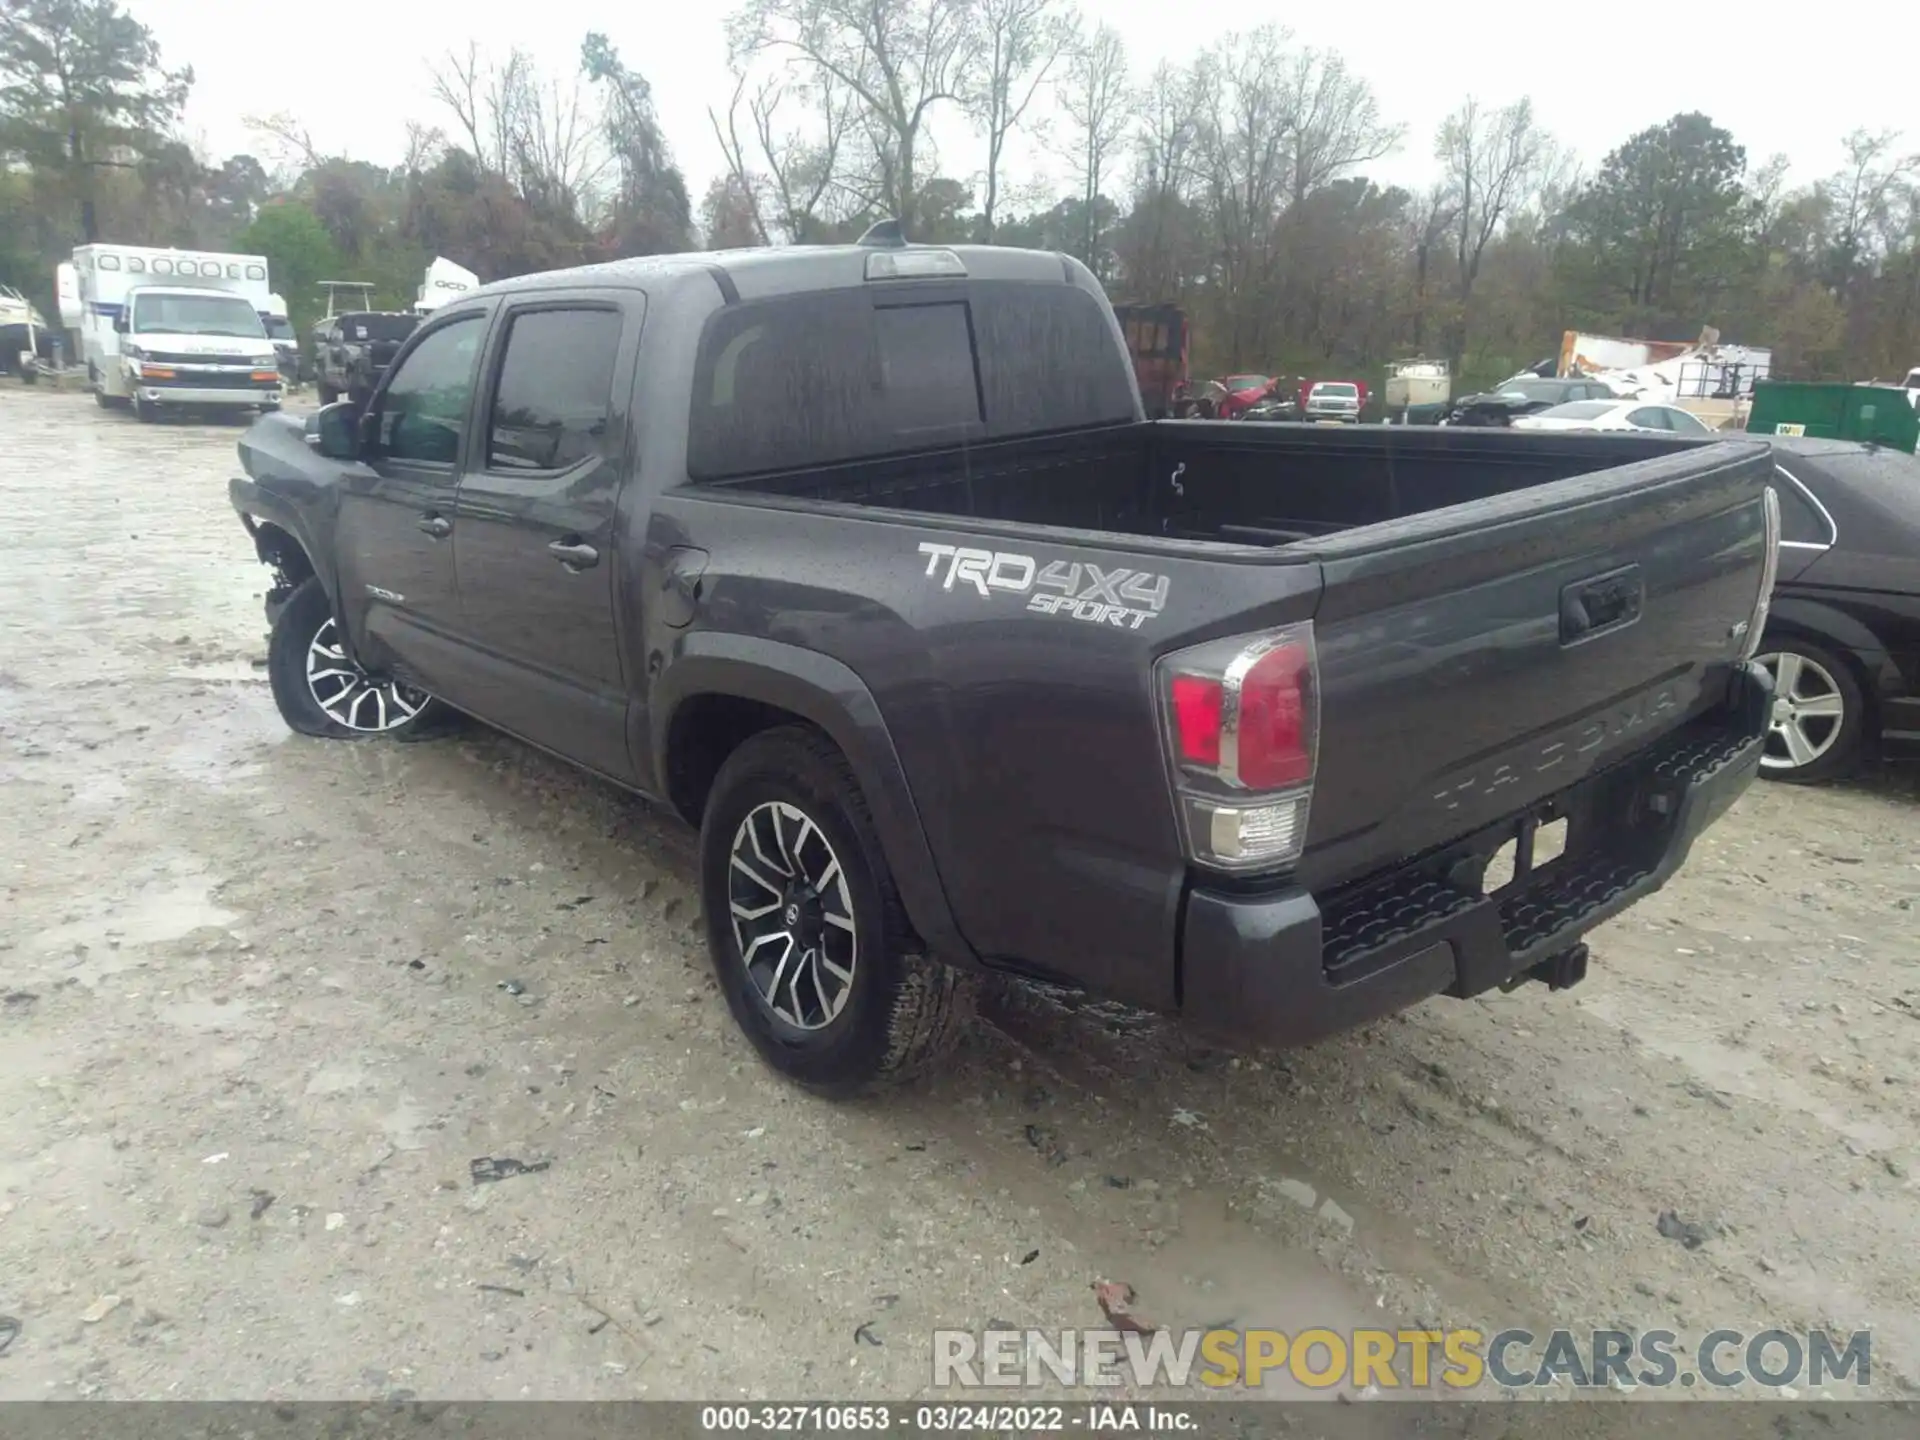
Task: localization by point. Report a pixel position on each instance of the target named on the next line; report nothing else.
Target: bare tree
(484, 98)
(744, 184)
(1336, 122)
(1860, 197)
(1245, 109)
(794, 162)
(898, 58)
(1019, 42)
(1429, 222)
(1099, 104)
(285, 141)
(1492, 160)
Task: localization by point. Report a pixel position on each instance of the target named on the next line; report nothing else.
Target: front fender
(827, 693)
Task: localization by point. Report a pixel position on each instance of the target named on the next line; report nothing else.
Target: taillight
(1242, 723)
(1769, 572)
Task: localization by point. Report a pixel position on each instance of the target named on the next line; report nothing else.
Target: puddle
(336, 1079)
(1745, 1073)
(101, 790)
(207, 1017)
(149, 919)
(404, 1123)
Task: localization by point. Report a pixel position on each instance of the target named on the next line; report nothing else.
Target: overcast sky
(355, 71)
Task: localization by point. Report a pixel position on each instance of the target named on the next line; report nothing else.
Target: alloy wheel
(792, 915)
(1809, 710)
(349, 696)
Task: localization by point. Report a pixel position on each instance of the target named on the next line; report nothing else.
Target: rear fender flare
(827, 693)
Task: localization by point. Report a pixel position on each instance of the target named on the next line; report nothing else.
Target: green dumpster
(1877, 414)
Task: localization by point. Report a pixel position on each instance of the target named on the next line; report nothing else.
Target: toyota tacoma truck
(866, 561)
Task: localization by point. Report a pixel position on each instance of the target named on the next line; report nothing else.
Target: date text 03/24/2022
(944, 1419)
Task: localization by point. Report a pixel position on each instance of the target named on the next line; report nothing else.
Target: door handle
(573, 554)
(437, 526)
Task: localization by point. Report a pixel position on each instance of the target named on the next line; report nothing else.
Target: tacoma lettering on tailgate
(1580, 739)
(1077, 589)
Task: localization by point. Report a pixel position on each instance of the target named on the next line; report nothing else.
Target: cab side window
(555, 394)
(424, 407)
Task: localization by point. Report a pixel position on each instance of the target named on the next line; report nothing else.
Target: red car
(1243, 393)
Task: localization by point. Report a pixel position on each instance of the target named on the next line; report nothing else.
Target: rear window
(840, 375)
(377, 325)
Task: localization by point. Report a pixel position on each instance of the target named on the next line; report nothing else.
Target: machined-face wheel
(1809, 711)
(792, 915)
(349, 696)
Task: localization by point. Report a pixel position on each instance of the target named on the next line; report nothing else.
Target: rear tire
(1819, 716)
(320, 692)
(839, 997)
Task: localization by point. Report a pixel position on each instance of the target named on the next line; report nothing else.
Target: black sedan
(1843, 634)
(1521, 396)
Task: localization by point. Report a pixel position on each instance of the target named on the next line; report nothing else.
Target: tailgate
(1477, 659)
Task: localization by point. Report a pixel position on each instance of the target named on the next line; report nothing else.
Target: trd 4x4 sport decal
(1077, 589)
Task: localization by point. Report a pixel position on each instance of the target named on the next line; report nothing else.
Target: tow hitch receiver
(1557, 972)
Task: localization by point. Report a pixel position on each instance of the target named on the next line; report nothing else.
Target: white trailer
(1416, 383)
(162, 328)
(443, 281)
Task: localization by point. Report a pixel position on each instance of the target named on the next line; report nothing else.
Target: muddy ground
(257, 1024)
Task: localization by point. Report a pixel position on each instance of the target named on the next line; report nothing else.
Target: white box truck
(174, 328)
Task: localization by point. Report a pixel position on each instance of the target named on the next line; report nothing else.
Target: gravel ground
(266, 999)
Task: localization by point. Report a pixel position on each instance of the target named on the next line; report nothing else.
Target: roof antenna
(888, 233)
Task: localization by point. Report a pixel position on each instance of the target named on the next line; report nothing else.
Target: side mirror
(334, 430)
(120, 323)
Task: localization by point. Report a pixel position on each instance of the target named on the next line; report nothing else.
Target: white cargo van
(166, 328)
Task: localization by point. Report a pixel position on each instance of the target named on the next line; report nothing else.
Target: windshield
(1538, 389)
(226, 315)
(279, 329)
(1339, 391)
(1240, 383)
(1578, 410)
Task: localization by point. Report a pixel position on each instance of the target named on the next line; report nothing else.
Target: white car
(1333, 400)
(1614, 415)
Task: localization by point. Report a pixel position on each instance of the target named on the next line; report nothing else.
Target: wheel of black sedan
(1818, 713)
(808, 938)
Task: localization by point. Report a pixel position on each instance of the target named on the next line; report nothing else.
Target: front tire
(1819, 713)
(806, 931)
(320, 691)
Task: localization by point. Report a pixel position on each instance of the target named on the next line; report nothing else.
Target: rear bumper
(1285, 968)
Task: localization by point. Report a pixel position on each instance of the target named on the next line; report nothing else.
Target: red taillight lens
(1241, 719)
(1196, 719)
(1275, 746)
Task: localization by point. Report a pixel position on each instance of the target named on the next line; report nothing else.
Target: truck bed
(1218, 481)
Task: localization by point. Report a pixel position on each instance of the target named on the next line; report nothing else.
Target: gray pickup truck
(866, 561)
